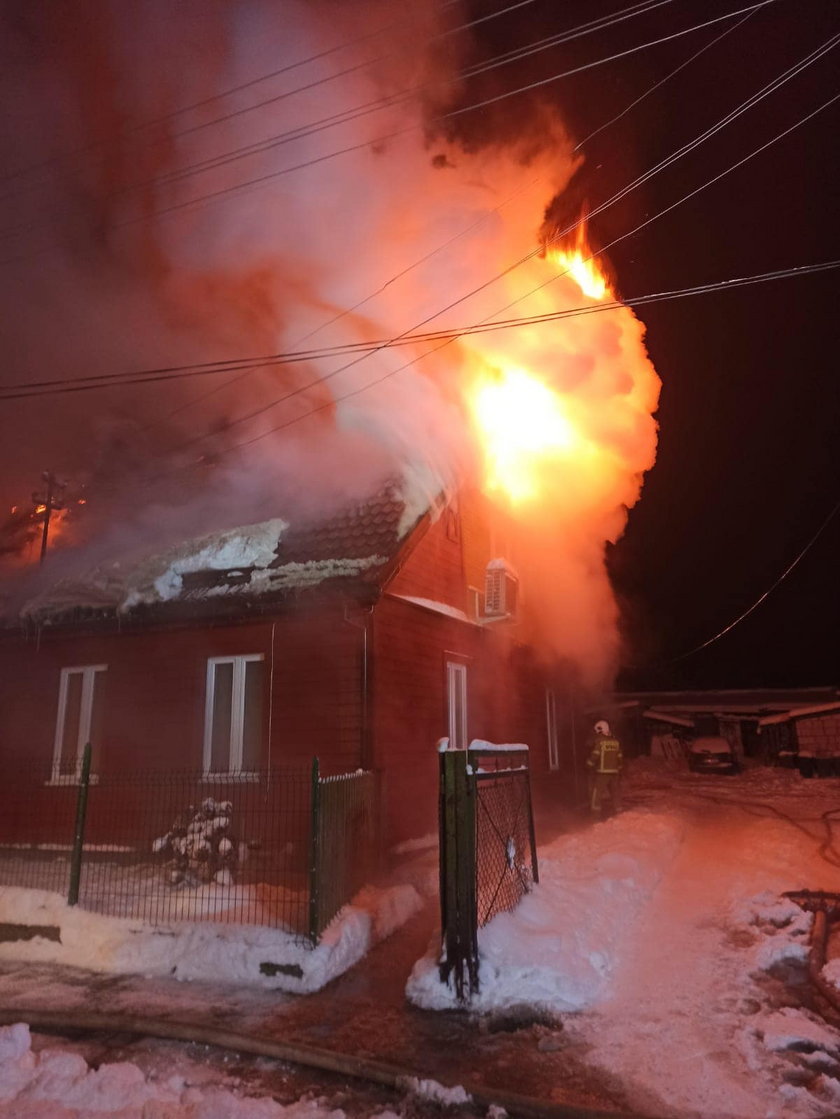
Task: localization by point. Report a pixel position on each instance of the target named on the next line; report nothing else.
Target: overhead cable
(25, 390)
(767, 593)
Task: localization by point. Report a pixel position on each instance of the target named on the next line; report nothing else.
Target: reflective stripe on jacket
(606, 756)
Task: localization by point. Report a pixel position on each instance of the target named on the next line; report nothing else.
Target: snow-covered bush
(199, 847)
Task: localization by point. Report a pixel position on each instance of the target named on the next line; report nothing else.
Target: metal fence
(344, 841)
(506, 858)
(488, 858)
(279, 849)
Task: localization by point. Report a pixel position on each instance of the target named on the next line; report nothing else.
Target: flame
(522, 422)
(582, 266)
(40, 509)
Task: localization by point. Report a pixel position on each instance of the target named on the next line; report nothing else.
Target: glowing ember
(522, 423)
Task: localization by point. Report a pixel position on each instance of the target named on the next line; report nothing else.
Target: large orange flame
(523, 424)
(528, 425)
(582, 265)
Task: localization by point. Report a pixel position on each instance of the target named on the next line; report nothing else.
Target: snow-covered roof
(798, 713)
(437, 607)
(663, 717)
(270, 559)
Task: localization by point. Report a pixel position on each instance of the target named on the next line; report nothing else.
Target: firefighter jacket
(606, 756)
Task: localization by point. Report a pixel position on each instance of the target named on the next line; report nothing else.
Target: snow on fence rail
(279, 848)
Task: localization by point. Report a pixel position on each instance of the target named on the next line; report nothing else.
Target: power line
(342, 314)
(751, 101)
(260, 181)
(26, 390)
(346, 115)
(379, 380)
(767, 593)
(259, 147)
(154, 122)
(652, 89)
(320, 380)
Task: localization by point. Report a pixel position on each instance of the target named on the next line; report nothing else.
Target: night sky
(747, 468)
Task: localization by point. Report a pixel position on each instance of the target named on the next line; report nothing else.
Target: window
(233, 714)
(456, 694)
(474, 602)
(551, 728)
(80, 707)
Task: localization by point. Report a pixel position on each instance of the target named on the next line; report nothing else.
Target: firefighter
(605, 762)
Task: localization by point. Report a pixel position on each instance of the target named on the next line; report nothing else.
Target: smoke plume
(137, 235)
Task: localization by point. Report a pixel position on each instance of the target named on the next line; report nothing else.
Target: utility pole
(50, 501)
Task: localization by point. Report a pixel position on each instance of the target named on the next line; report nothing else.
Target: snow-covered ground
(258, 955)
(658, 938)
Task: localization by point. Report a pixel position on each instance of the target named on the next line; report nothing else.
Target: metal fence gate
(488, 856)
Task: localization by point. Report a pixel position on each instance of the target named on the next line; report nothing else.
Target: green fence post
(79, 833)
(459, 917)
(535, 870)
(314, 852)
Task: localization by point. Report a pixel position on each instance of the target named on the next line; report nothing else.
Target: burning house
(361, 639)
(345, 621)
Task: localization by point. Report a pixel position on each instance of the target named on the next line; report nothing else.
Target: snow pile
(61, 1085)
(308, 574)
(247, 554)
(559, 949)
(662, 942)
(438, 1093)
(137, 580)
(245, 954)
(248, 546)
(701, 1017)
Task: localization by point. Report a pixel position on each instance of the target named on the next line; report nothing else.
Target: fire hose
(378, 1073)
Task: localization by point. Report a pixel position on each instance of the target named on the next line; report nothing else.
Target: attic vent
(500, 590)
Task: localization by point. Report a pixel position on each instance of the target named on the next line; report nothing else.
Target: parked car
(711, 754)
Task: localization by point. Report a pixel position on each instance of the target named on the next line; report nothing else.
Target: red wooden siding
(155, 691)
(435, 568)
(506, 703)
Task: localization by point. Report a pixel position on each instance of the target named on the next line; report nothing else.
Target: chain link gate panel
(488, 858)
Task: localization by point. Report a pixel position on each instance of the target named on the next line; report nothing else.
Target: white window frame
(237, 715)
(88, 673)
(551, 728)
(474, 601)
(456, 688)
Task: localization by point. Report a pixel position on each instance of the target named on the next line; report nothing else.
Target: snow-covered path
(662, 942)
(659, 941)
(682, 1000)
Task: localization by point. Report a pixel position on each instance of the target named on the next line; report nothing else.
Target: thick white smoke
(136, 262)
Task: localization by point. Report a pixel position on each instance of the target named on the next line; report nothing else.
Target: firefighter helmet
(602, 727)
